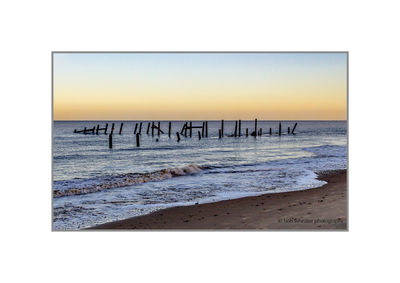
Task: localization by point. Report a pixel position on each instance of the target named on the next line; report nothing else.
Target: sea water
(93, 184)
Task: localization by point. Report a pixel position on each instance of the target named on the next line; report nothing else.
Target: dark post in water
(137, 140)
(199, 135)
(294, 127)
(97, 129)
(110, 141)
(120, 128)
(222, 128)
(105, 130)
(247, 132)
(169, 130)
(255, 127)
(159, 128)
(134, 132)
(190, 125)
(140, 128)
(148, 128)
(177, 135)
(280, 128)
(240, 127)
(236, 124)
(206, 129)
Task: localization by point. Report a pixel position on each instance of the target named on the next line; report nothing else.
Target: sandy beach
(319, 208)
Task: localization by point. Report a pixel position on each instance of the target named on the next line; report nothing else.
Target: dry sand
(320, 208)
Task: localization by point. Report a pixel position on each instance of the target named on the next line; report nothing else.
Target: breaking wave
(92, 185)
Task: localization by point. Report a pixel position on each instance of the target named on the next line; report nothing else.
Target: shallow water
(93, 184)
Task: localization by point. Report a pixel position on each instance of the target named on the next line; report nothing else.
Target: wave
(86, 186)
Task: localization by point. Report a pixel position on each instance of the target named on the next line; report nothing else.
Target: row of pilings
(187, 130)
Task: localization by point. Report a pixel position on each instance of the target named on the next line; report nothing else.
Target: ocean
(93, 184)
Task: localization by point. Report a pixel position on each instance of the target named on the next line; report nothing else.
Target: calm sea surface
(93, 184)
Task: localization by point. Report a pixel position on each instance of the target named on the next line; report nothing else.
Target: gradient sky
(196, 86)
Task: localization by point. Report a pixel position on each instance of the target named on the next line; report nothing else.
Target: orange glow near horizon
(267, 86)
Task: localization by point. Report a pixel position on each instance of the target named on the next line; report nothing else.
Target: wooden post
(186, 126)
(260, 132)
(235, 134)
(140, 128)
(134, 132)
(222, 128)
(112, 128)
(105, 130)
(110, 141)
(120, 128)
(247, 132)
(288, 130)
(199, 135)
(294, 127)
(148, 128)
(206, 129)
(152, 129)
(270, 131)
(94, 128)
(97, 129)
(240, 127)
(255, 127)
(190, 124)
(75, 131)
(202, 129)
(137, 140)
(220, 133)
(84, 131)
(159, 128)
(280, 128)
(177, 135)
(169, 129)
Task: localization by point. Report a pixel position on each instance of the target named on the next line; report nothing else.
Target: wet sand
(323, 208)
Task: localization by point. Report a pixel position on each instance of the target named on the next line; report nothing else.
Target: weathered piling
(222, 128)
(202, 129)
(140, 128)
(236, 125)
(240, 127)
(178, 137)
(183, 128)
(280, 128)
(159, 128)
(220, 133)
(190, 132)
(120, 128)
(294, 127)
(110, 141)
(97, 129)
(148, 128)
(169, 129)
(84, 131)
(186, 127)
(270, 131)
(94, 128)
(199, 135)
(255, 127)
(288, 130)
(112, 128)
(260, 132)
(134, 132)
(105, 129)
(137, 140)
(152, 129)
(206, 129)
(247, 132)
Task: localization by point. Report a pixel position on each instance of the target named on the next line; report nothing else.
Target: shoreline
(321, 208)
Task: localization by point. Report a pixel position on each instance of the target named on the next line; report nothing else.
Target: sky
(200, 86)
